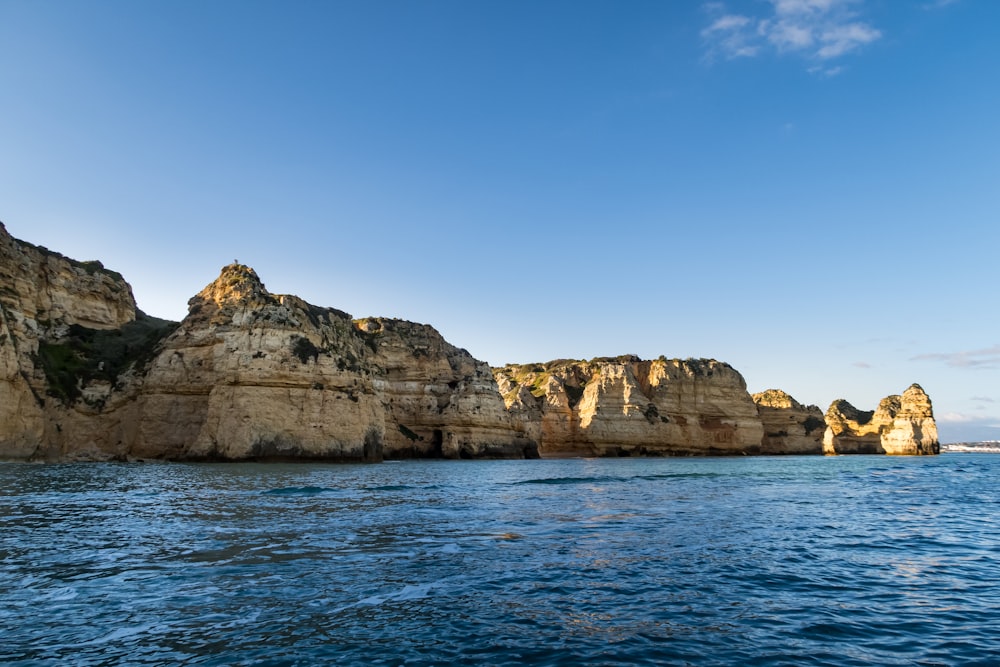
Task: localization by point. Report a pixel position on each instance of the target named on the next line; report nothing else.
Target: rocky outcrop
(789, 426)
(43, 297)
(257, 375)
(626, 406)
(900, 425)
(250, 375)
(246, 375)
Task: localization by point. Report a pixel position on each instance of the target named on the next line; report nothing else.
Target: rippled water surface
(767, 561)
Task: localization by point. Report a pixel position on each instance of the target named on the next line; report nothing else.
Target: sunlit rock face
(901, 425)
(43, 296)
(246, 375)
(250, 375)
(789, 426)
(267, 376)
(625, 406)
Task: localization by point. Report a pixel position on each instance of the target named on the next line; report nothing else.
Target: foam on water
(765, 561)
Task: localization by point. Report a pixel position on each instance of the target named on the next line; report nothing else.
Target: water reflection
(773, 561)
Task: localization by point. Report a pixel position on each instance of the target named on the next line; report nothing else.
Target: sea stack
(901, 425)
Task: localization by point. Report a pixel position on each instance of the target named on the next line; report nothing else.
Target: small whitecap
(61, 594)
(414, 592)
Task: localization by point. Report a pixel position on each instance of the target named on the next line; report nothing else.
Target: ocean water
(728, 561)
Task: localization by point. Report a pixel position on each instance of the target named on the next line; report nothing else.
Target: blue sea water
(750, 561)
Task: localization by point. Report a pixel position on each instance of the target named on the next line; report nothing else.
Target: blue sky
(806, 189)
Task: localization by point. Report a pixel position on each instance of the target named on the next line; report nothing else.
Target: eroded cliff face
(44, 298)
(246, 375)
(789, 426)
(902, 425)
(257, 375)
(85, 375)
(625, 406)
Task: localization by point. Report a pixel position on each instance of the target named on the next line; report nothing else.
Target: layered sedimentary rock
(900, 425)
(246, 375)
(85, 375)
(789, 426)
(257, 375)
(626, 406)
(42, 296)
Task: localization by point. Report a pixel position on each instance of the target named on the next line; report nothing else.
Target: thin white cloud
(984, 399)
(730, 36)
(985, 358)
(819, 30)
(957, 418)
(862, 364)
(727, 22)
(842, 39)
(788, 35)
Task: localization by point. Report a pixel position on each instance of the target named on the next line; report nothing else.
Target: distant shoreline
(988, 447)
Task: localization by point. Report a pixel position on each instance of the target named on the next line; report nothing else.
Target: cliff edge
(902, 424)
(625, 406)
(247, 375)
(251, 375)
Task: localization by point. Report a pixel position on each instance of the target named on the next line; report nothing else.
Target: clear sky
(806, 189)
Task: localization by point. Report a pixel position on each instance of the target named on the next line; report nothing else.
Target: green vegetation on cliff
(86, 354)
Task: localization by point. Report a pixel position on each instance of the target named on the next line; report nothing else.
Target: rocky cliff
(626, 406)
(246, 375)
(789, 426)
(45, 296)
(900, 425)
(250, 375)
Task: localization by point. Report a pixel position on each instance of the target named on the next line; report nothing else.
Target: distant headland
(250, 375)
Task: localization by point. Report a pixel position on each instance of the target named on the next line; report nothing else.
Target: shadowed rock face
(789, 426)
(246, 375)
(626, 406)
(901, 425)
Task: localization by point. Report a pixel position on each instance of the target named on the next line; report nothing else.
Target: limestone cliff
(85, 375)
(43, 297)
(900, 425)
(246, 375)
(789, 426)
(626, 406)
(256, 375)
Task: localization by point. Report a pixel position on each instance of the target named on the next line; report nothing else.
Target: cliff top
(90, 266)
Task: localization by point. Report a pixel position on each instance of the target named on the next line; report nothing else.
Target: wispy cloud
(861, 364)
(957, 418)
(938, 4)
(984, 399)
(985, 358)
(820, 30)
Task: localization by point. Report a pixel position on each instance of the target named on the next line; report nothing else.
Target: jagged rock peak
(902, 424)
(236, 284)
(915, 401)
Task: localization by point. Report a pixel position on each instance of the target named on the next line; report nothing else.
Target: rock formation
(901, 425)
(625, 406)
(246, 375)
(44, 295)
(250, 375)
(789, 426)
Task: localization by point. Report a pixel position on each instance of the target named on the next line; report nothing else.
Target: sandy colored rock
(42, 296)
(789, 426)
(85, 375)
(626, 406)
(246, 375)
(902, 425)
